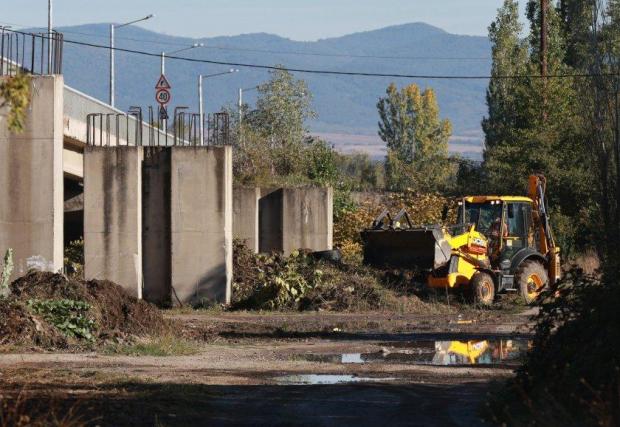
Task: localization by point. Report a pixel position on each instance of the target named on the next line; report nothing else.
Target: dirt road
(314, 369)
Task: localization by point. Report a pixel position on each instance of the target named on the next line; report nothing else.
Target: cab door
(518, 228)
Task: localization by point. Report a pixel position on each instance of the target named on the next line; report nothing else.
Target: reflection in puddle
(474, 352)
(315, 379)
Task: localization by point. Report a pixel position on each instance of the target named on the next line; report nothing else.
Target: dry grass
(159, 346)
(24, 410)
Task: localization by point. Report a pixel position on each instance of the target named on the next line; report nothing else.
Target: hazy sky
(296, 19)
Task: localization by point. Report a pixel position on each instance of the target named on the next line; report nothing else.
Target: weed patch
(160, 346)
(68, 316)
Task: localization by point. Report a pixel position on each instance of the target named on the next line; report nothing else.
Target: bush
(352, 220)
(68, 316)
(300, 282)
(74, 258)
(571, 375)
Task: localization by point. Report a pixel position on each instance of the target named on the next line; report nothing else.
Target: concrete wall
(296, 218)
(245, 215)
(113, 216)
(201, 223)
(31, 181)
(307, 219)
(156, 198)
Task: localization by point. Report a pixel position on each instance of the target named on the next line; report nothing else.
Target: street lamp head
(152, 15)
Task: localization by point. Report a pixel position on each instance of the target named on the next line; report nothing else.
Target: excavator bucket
(413, 248)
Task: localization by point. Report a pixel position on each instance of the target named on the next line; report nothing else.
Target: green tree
(416, 138)
(283, 106)
(509, 53)
(533, 125)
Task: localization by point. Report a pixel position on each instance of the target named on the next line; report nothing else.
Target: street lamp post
(240, 101)
(112, 28)
(200, 103)
(163, 66)
(163, 55)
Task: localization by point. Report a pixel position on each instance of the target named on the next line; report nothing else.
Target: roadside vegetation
(566, 128)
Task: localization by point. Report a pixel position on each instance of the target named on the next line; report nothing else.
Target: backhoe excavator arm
(537, 186)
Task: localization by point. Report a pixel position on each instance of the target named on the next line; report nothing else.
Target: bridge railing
(31, 53)
(144, 128)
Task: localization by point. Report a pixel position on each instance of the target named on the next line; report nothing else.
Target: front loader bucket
(424, 248)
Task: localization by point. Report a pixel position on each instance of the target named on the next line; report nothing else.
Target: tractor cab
(505, 221)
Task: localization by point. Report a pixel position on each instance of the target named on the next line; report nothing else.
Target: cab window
(482, 215)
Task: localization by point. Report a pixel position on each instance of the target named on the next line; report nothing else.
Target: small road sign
(163, 113)
(162, 96)
(162, 83)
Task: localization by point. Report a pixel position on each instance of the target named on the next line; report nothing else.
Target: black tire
(531, 278)
(483, 288)
(333, 255)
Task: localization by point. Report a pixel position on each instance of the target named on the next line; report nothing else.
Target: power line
(338, 73)
(281, 52)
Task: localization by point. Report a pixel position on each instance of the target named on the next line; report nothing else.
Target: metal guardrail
(31, 53)
(116, 129)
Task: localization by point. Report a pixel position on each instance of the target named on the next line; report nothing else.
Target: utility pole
(544, 5)
(50, 27)
(544, 31)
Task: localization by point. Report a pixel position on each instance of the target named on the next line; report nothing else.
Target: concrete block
(245, 215)
(201, 224)
(156, 237)
(113, 216)
(296, 218)
(31, 181)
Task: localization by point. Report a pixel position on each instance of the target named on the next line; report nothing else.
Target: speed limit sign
(162, 96)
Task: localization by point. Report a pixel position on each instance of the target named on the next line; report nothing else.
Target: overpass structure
(84, 169)
(155, 208)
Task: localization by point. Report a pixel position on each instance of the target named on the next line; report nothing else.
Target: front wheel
(483, 288)
(531, 278)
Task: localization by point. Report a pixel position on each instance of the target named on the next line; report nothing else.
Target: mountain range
(346, 105)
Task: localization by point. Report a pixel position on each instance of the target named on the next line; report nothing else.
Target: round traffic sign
(162, 96)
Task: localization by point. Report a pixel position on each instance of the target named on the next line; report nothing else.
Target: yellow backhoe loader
(500, 243)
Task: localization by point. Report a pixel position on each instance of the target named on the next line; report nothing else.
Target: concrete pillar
(201, 223)
(296, 218)
(156, 198)
(31, 181)
(245, 216)
(113, 216)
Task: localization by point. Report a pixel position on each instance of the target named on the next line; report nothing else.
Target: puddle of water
(316, 379)
(443, 353)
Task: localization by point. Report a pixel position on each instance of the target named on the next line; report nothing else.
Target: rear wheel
(532, 278)
(483, 288)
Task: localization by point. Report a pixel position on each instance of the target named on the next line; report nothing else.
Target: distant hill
(346, 105)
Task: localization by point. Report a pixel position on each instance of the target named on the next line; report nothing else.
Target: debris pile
(302, 282)
(112, 313)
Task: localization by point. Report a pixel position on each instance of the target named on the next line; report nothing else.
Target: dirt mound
(18, 325)
(115, 313)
